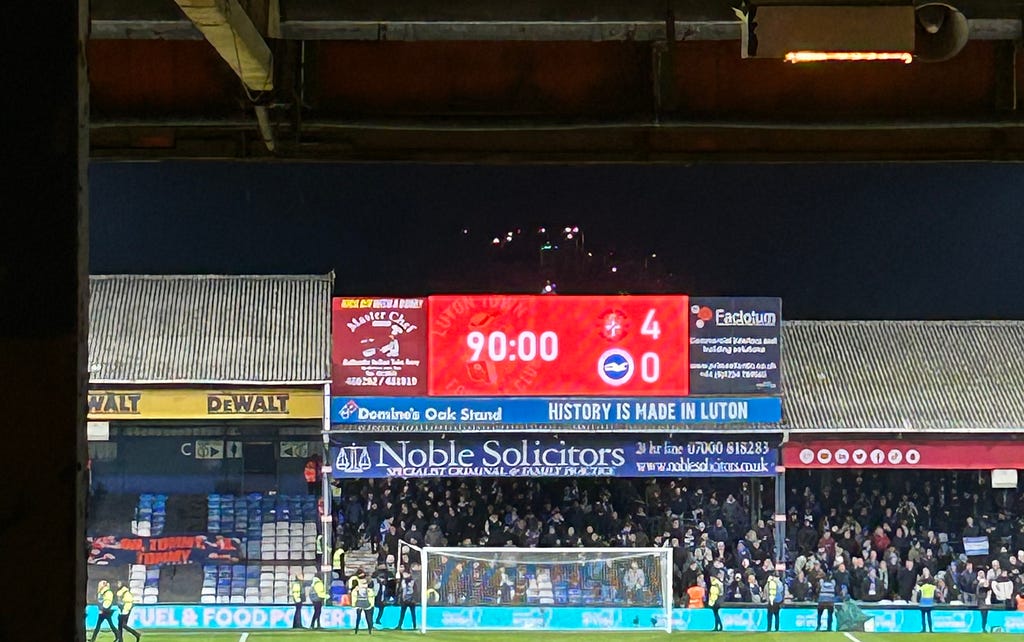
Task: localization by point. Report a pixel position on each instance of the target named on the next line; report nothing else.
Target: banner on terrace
(362, 456)
(113, 550)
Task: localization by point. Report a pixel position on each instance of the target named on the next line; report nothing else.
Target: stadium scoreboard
(556, 345)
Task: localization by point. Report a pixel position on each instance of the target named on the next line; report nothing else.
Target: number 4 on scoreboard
(651, 327)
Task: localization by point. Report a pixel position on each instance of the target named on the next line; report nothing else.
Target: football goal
(545, 588)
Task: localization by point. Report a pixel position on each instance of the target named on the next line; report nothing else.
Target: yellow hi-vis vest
(319, 590)
(105, 598)
(927, 594)
(126, 599)
(296, 591)
(716, 591)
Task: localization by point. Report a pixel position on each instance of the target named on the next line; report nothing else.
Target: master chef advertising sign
(379, 346)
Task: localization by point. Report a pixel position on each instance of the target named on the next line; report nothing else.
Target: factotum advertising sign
(734, 345)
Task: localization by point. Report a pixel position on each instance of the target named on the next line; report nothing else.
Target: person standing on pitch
(105, 602)
(715, 596)
(408, 595)
(382, 584)
(926, 600)
(317, 595)
(297, 600)
(695, 594)
(774, 593)
(826, 600)
(362, 600)
(125, 604)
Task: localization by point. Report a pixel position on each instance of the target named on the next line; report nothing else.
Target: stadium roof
(210, 329)
(869, 376)
(903, 376)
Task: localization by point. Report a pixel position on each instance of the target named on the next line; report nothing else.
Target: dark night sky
(834, 241)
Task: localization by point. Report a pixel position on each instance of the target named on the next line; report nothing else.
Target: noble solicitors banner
(946, 455)
(112, 550)
(362, 456)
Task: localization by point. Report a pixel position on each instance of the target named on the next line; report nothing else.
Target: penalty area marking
(849, 636)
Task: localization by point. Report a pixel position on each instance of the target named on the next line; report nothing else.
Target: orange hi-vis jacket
(696, 597)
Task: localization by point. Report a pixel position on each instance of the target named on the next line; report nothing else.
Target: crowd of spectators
(877, 535)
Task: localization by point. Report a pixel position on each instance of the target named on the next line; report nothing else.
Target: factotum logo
(704, 314)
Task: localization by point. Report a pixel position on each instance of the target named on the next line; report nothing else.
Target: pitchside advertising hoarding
(439, 618)
(362, 456)
(506, 345)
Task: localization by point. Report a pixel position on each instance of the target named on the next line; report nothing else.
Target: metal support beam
(235, 37)
(780, 518)
(327, 520)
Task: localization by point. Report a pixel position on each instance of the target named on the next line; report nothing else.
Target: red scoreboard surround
(501, 345)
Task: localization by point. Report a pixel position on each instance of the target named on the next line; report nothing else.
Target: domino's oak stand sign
(734, 345)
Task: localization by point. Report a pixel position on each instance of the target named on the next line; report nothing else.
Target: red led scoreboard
(494, 345)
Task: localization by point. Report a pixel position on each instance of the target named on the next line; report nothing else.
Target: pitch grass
(542, 636)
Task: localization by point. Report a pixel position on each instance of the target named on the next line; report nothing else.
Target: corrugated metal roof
(903, 376)
(210, 329)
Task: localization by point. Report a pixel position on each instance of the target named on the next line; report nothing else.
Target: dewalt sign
(163, 403)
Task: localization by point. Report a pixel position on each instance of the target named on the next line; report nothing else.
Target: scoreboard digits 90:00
(482, 345)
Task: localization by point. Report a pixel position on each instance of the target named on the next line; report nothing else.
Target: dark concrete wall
(42, 322)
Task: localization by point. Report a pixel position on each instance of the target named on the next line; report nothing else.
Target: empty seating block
(150, 515)
(278, 535)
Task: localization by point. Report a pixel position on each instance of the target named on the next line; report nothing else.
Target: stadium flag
(976, 546)
(114, 550)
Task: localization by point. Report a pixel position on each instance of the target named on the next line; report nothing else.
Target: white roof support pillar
(231, 31)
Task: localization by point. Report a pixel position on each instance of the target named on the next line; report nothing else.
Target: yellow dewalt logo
(191, 403)
(114, 403)
(247, 404)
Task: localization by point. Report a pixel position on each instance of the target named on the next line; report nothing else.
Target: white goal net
(546, 588)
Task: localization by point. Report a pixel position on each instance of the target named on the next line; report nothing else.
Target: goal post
(571, 589)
